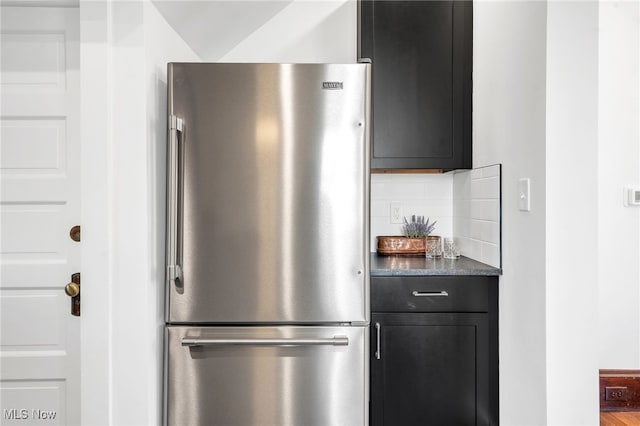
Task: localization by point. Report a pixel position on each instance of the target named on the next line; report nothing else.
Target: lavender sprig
(417, 228)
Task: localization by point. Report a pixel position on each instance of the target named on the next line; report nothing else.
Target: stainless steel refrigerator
(267, 244)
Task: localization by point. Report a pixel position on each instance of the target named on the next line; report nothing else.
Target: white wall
(95, 193)
(571, 209)
(509, 128)
(618, 166)
(563, 274)
(161, 45)
(125, 46)
(304, 31)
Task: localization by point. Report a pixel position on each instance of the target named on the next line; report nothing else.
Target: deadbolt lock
(74, 233)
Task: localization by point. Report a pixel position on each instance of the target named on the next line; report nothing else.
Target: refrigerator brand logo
(332, 85)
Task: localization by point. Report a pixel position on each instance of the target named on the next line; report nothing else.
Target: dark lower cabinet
(433, 368)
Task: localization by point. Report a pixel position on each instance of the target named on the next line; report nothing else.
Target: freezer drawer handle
(330, 341)
(430, 293)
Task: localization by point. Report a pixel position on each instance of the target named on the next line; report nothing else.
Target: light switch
(524, 199)
(631, 197)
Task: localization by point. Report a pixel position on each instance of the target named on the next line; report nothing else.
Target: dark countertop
(385, 266)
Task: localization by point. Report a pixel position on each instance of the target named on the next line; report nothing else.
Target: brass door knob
(72, 289)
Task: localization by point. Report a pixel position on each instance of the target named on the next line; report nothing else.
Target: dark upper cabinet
(421, 53)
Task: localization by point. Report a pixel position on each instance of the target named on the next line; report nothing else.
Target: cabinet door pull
(377, 340)
(430, 293)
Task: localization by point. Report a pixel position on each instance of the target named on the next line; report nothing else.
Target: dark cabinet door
(421, 54)
(432, 369)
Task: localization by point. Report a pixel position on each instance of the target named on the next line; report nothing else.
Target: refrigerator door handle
(174, 271)
(329, 341)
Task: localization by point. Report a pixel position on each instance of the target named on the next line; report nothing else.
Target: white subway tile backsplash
(475, 173)
(461, 227)
(462, 208)
(475, 230)
(464, 245)
(487, 231)
(485, 188)
(477, 213)
(406, 190)
(428, 195)
(439, 190)
(461, 185)
(381, 226)
(491, 171)
(493, 234)
(474, 250)
(444, 227)
(485, 209)
(465, 204)
(490, 254)
(380, 208)
(429, 208)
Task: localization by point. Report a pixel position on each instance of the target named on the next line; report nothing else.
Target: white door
(39, 203)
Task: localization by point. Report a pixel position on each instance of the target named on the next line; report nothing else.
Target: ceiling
(214, 27)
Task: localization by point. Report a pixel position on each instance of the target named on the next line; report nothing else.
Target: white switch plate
(631, 196)
(396, 214)
(524, 196)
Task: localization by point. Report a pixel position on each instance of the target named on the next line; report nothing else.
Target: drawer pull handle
(430, 293)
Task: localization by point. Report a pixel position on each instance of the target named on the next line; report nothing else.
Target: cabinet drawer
(431, 294)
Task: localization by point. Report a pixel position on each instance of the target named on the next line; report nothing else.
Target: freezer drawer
(266, 376)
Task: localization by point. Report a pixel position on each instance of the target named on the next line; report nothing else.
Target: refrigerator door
(268, 198)
(266, 376)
